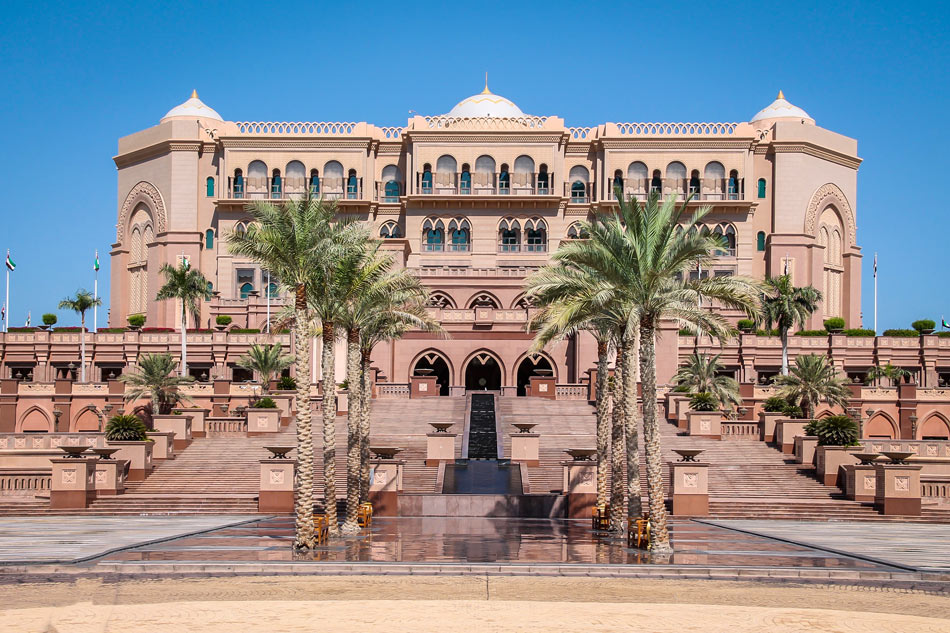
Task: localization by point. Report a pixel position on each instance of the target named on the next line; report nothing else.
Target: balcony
(294, 188)
(579, 192)
(700, 188)
(484, 183)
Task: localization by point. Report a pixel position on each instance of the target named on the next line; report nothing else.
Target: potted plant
(222, 321)
(924, 326)
(49, 320)
(704, 417)
(136, 321)
(836, 434)
(287, 383)
(773, 409)
(263, 416)
(129, 434)
(834, 325)
(746, 326)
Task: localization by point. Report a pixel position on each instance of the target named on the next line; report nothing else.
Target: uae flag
(95, 266)
(10, 263)
(944, 324)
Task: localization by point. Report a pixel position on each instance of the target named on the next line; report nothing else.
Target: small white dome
(485, 104)
(782, 109)
(191, 109)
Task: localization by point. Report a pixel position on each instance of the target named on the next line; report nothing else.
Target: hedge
(859, 332)
(901, 333)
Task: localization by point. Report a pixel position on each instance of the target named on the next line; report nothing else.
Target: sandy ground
(463, 603)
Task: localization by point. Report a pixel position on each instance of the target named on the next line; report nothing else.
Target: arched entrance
(434, 365)
(483, 374)
(537, 366)
(935, 428)
(880, 427)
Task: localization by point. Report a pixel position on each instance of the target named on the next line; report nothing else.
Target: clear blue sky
(76, 77)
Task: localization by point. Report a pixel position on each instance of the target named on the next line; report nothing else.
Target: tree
(189, 286)
(703, 374)
(266, 360)
(81, 303)
(893, 373)
(155, 379)
(297, 241)
(812, 380)
(646, 252)
(784, 306)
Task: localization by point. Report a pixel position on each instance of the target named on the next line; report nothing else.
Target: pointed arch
(484, 299)
(482, 357)
(934, 426)
(143, 193)
(881, 426)
(86, 421)
(830, 195)
(430, 358)
(35, 420)
(439, 299)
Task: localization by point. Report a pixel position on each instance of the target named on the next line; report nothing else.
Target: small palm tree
(893, 373)
(812, 380)
(784, 306)
(703, 374)
(81, 303)
(155, 379)
(189, 286)
(266, 360)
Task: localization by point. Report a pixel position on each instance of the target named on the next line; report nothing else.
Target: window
(509, 236)
(257, 179)
(276, 184)
(637, 179)
(524, 175)
(352, 185)
(391, 179)
(536, 236)
(617, 189)
(579, 177)
(314, 182)
(209, 239)
(694, 183)
(245, 282)
(576, 232)
(461, 232)
(238, 183)
(727, 234)
(656, 183)
(504, 180)
(484, 176)
(466, 179)
(543, 180)
(713, 176)
(761, 192)
(433, 235)
(675, 177)
(389, 231)
(209, 187)
(332, 184)
(240, 227)
(760, 241)
(246, 290)
(295, 180)
(210, 292)
(733, 185)
(272, 290)
(427, 178)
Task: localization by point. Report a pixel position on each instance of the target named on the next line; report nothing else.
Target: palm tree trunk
(617, 447)
(353, 468)
(651, 434)
(603, 424)
(82, 339)
(184, 346)
(303, 501)
(366, 387)
(632, 417)
(785, 351)
(329, 429)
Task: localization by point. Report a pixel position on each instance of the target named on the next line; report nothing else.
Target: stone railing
(24, 483)
(198, 389)
(464, 271)
(571, 392)
(580, 133)
(391, 133)
(741, 430)
(226, 425)
(483, 123)
(677, 129)
(330, 128)
(935, 393)
(392, 390)
(921, 448)
(13, 441)
(937, 486)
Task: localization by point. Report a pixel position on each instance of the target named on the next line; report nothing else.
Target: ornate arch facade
(482, 355)
(149, 194)
(831, 195)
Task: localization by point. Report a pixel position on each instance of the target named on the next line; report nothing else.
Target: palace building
(473, 201)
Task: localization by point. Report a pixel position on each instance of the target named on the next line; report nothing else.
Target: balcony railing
(294, 188)
(484, 183)
(700, 189)
(579, 192)
(516, 247)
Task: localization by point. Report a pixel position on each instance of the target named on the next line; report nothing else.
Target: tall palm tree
(81, 303)
(784, 306)
(646, 253)
(189, 286)
(812, 380)
(296, 241)
(266, 360)
(703, 374)
(155, 379)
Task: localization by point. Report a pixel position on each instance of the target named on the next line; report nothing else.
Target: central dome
(485, 104)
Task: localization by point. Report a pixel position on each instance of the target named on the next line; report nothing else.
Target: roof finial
(486, 91)
(194, 94)
(781, 95)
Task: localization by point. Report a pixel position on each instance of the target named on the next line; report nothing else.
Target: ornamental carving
(69, 476)
(276, 476)
(820, 200)
(869, 482)
(690, 480)
(901, 483)
(142, 192)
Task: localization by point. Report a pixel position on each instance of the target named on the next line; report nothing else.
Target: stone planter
(805, 446)
(440, 447)
(163, 444)
(786, 430)
(423, 386)
(580, 486)
(110, 477)
(542, 387)
(342, 402)
(829, 461)
(72, 484)
(198, 416)
(767, 422)
(897, 489)
(705, 424)
(261, 421)
(385, 485)
(180, 425)
(689, 488)
(525, 447)
(276, 493)
(860, 482)
(139, 456)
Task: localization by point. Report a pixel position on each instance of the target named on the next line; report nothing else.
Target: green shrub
(774, 405)
(283, 330)
(703, 401)
(836, 430)
(681, 389)
(126, 428)
(265, 403)
(811, 333)
(745, 324)
(834, 323)
(286, 383)
(767, 333)
(111, 330)
(811, 428)
(223, 319)
(137, 320)
(71, 328)
(943, 334)
(685, 331)
(49, 319)
(899, 333)
(245, 330)
(923, 324)
(859, 332)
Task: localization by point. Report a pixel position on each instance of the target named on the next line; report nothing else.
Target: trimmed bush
(685, 331)
(943, 334)
(923, 324)
(111, 330)
(794, 412)
(21, 329)
(265, 403)
(767, 333)
(834, 324)
(286, 383)
(223, 319)
(901, 333)
(746, 325)
(836, 430)
(71, 328)
(158, 329)
(859, 332)
(775, 405)
(126, 428)
(811, 429)
(703, 401)
(50, 319)
(137, 320)
(245, 330)
(811, 333)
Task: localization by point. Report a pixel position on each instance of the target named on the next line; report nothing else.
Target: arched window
(246, 290)
(276, 184)
(733, 185)
(461, 234)
(523, 176)
(209, 239)
(761, 192)
(389, 231)
(504, 180)
(427, 178)
(484, 176)
(714, 175)
(656, 183)
(238, 184)
(433, 235)
(760, 241)
(445, 169)
(332, 180)
(536, 236)
(579, 177)
(727, 233)
(295, 177)
(210, 292)
(617, 185)
(465, 183)
(509, 236)
(576, 232)
(391, 179)
(543, 180)
(694, 184)
(637, 180)
(483, 300)
(272, 290)
(240, 228)
(441, 300)
(257, 179)
(352, 185)
(675, 178)
(314, 182)
(209, 187)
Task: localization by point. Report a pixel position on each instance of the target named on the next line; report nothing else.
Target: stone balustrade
(740, 430)
(24, 482)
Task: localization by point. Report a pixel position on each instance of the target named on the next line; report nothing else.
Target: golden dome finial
(194, 94)
(781, 95)
(486, 91)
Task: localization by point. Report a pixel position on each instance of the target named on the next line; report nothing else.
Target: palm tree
(646, 252)
(784, 305)
(81, 303)
(190, 286)
(812, 380)
(296, 241)
(266, 360)
(702, 373)
(891, 372)
(156, 380)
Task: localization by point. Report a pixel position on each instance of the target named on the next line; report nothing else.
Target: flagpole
(6, 302)
(95, 296)
(267, 292)
(875, 293)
